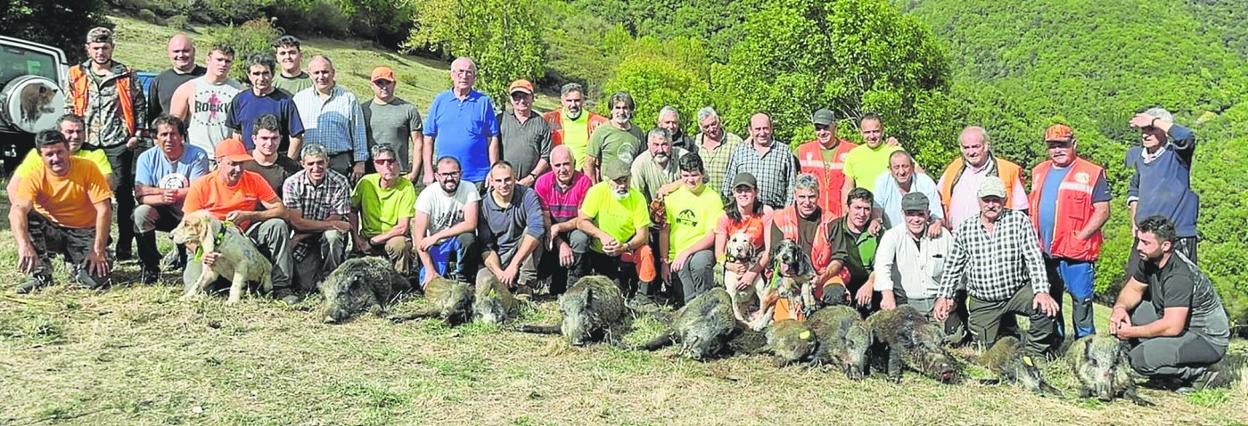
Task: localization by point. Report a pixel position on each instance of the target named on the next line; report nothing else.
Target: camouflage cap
(100, 35)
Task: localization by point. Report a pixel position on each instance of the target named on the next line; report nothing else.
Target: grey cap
(614, 169)
(914, 202)
(744, 179)
(823, 117)
(992, 187)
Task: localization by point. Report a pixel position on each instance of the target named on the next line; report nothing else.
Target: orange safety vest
(555, 120)
(1073, 210)
(831, 175)
(787, 222)
(1006, 170)
(79, 89)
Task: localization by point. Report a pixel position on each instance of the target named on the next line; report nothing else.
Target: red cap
(382, 73)
(233, 150)
(520, 86)
(1059, 132)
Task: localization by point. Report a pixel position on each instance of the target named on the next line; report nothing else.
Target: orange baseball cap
(1059, 132)
(232, 149)
(382, 73)
(520, 86)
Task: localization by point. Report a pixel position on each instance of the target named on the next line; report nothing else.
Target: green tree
(501, 36)
(655, 81)
(45, 22)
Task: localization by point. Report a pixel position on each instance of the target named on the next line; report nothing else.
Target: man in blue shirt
(1161, 179)
(264, 99)
(462, 124)
(162, 179)
(902, 179)
(511, 230)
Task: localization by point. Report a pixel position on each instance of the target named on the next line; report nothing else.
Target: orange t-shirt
(67, 200)
(210, 192)
(754, 226)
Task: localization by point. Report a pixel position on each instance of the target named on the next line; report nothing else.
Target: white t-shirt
(445, 211)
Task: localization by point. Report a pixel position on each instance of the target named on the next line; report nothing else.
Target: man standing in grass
(292, 79)
(869, 160)
(393, 121)
(620, 141)
(825, 159)
(571, 125)
(204, 103)
(265, 99)
(462, 124)
(332, 118)
(525, 135)
(182, 58)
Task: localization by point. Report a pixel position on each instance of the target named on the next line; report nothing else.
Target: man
(381, 208)
(868, 161)
(62, 207)
(767, 158)
(568, 126)
(997, 256)
(109, 98)
(293, 79)
(525, 136)
(511, 229)
(1069, 204)
(654, 172)
(1171, 314)
(319, 203)
(75, 133)
(687, 244)
(562, 191)
(617, 220)
(902, 179)
(204, 103)
(849, 235)
(245, 200)
(620, 141)
(332, 118)
(807, 224)
(1161, 177)
(395, 122)
(824, 158)
(164, 177)
(265, 99)
(965, 175)
(183, 69)
(669, 119)
(445, 225)
(269, 163)
(909, 262)
(714, 145)
(463, 119)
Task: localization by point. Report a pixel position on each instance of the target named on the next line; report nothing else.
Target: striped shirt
(336, 122)
(775, 170)
(996, 264)
(562, 204)
(317, 202)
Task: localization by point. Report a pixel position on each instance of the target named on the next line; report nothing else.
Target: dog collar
(216, 240)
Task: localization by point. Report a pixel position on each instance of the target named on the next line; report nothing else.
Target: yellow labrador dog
(237, 256)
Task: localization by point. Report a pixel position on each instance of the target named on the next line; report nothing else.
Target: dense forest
(929, 67)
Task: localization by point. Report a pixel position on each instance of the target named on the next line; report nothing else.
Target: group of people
(312, 174)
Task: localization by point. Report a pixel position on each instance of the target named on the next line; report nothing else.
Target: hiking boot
(173, 260)
(642, 302)
(85, 280)
(1218, 375)
(123, 255)
(287, 296)
(149, 276)
(34, 283)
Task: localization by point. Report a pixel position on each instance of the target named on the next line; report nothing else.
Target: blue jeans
(440, 256)
(1078, 278)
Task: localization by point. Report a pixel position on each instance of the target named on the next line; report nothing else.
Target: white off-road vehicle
(31, 78)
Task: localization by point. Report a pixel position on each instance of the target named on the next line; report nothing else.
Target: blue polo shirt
(246, 107)
(462, 130)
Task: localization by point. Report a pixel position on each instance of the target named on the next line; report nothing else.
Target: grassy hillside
(142, 45)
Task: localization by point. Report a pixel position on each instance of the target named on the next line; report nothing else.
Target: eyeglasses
(385, 161)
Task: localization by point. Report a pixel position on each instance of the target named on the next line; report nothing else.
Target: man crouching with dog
(807, 224)
(246, 201)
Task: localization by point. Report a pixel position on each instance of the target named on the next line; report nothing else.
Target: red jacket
(1074, 209)
(831, 175)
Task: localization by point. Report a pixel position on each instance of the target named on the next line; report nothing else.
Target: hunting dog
(740, 249)
(237, 256)
(792, 279)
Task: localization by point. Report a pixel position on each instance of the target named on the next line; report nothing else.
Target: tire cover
(32, 103)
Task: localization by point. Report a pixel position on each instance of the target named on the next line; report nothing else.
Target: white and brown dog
(237, 257)
(740, 249)
(792, 279)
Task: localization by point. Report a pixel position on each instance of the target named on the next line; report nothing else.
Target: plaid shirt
(332, 196)
(716, 161)
(775, 171)
(336, 122)
(995, 264)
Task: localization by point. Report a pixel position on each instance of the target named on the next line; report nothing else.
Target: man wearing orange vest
(963, 177)
(824, 158)
(809, 225)
(106, 94)
(1069, 204)
(571, 124)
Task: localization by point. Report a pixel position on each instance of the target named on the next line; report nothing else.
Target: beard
(619, 195)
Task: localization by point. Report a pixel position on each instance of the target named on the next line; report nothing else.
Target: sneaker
(149, 276)
(1218, 375)
(172, 260)
(33, 284)
(85, 280)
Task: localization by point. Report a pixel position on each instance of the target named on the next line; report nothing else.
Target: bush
(252, 36)
(61, 23)
(655, 81)
(146, 15)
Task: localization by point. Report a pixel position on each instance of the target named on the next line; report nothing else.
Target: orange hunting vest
(555, 120)
(1074, 209)
(786, 221)
(79, 88)
(831, 175)
(1006, 170)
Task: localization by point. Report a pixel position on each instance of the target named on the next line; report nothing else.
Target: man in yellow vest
(963, 177)
(106, 94)
(824, 158)
(1069, 204)
(572, 124)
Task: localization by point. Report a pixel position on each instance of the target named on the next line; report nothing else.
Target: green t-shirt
(382, 208)
(864, 164)
(609, 142)
(576, 135)
(690, 217)
(96, 156)
(292, 85)
(620, 219)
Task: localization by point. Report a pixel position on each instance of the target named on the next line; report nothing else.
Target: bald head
(760, 129)
(322, 73)
(181, 53)
(463, 75)
(563, 165)
(974, 143)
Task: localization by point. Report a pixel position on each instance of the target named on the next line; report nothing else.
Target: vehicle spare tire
(31, 103)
